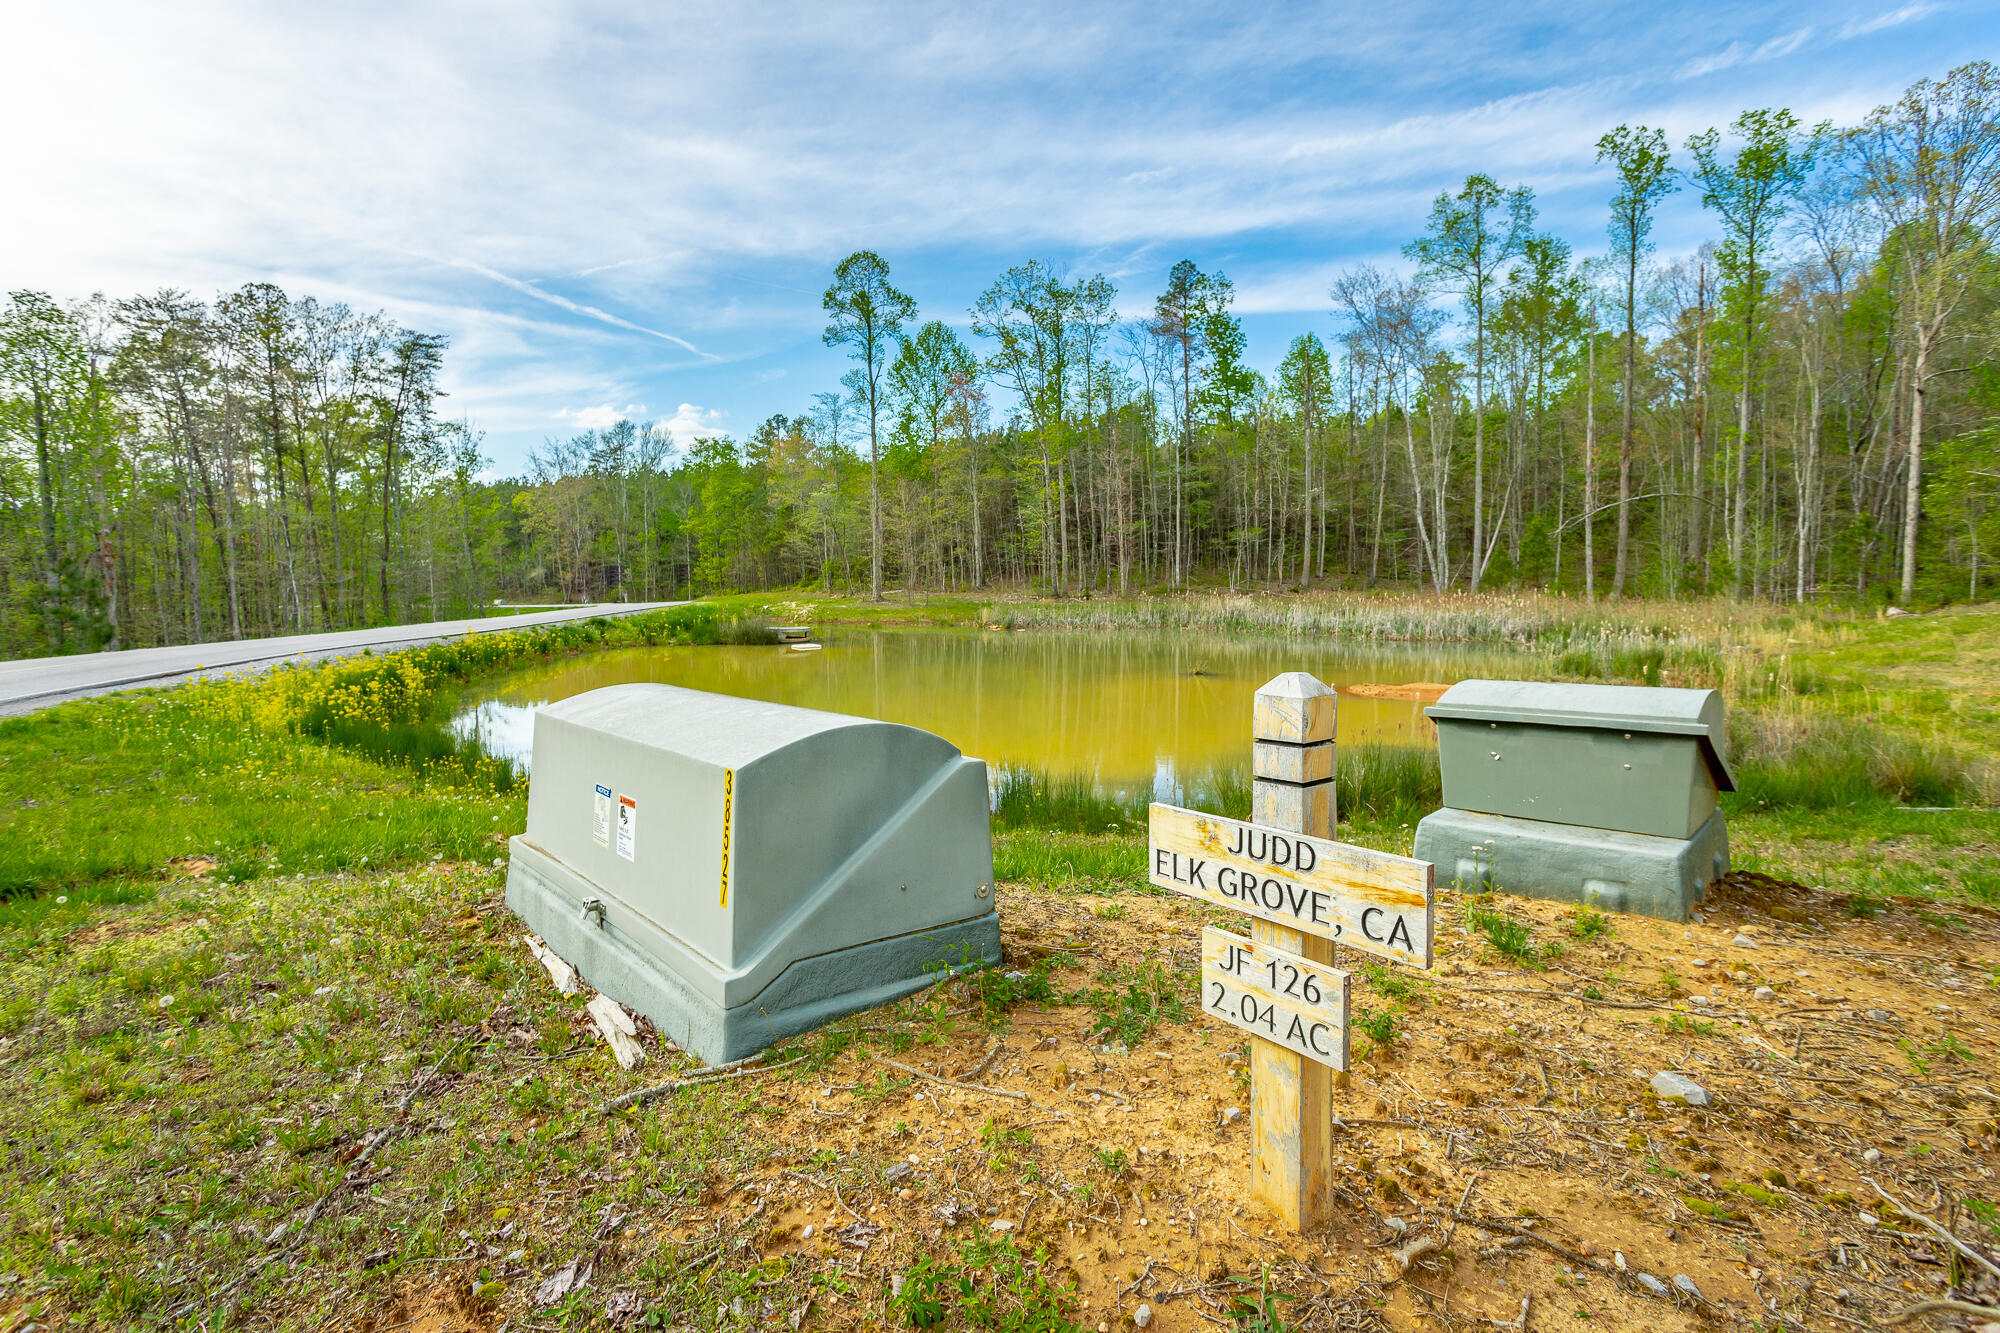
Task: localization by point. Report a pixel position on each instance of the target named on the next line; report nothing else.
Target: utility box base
(809, 992)
(1618, 872)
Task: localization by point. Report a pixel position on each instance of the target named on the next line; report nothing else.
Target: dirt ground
(1512, 1123)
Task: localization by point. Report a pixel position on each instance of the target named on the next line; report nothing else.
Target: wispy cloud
(577, 307)
(1895, 18)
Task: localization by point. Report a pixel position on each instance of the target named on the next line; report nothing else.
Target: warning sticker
(600, 815)
(628, 825)
(728, 808)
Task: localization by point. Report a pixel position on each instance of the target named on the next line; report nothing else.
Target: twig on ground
(1922, 1308)
(720, 1074)
(949, 1082)
(1509, 1229)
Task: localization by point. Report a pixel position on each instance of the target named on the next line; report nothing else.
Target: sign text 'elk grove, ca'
(1374, 901)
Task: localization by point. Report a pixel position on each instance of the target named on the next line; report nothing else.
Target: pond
(1141, 712)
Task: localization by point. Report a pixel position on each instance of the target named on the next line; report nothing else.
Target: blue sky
(633, 208)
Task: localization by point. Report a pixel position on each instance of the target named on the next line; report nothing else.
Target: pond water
(1134, 712)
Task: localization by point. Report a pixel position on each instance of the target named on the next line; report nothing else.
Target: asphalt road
(36, 682)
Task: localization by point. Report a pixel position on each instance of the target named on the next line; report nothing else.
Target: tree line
(1803, 407)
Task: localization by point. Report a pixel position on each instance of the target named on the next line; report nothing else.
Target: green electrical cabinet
(740, 871)
(1602, 794)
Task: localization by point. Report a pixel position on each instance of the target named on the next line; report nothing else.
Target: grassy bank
(307, 769)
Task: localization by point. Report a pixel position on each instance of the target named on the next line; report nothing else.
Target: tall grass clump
(1391, 784)
(1027, 798)
(1817, 760)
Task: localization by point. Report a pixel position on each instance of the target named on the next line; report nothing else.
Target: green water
(1133, 712)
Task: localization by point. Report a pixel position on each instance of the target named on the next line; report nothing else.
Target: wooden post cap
(1296, 708)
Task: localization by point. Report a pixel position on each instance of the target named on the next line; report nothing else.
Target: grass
(328, 767)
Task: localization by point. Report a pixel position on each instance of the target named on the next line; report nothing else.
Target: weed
(1510, 938)
(1258, 1313)
(1395, 984)
(1951, 1047)
(1111, 1160)
(1139, 998)
(995, 991)
(1683, 1025)
(1380, 1026)
(918, 1296)
(1589, 925)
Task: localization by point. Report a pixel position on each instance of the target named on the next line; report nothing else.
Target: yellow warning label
(728, 807)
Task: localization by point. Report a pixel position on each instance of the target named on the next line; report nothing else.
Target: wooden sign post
(1303, 892)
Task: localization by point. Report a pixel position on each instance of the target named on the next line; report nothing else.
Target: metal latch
(594, 907)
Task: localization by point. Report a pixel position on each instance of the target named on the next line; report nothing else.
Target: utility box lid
(1654, 710)
(739, 870)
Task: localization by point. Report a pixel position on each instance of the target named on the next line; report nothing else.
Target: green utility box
(1604, 794)
(740, 871)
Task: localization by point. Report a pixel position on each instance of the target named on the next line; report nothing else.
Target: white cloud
(602, 415)
(693, 423)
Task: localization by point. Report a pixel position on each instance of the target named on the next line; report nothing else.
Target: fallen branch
(1922, 1308)
(1406, 1258)
(720, 1074)
(1509, 1229)
(950, 1082)
(1941, 1233)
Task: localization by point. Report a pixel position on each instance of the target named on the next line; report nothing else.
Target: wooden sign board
(1374, 901)
(1274, 994)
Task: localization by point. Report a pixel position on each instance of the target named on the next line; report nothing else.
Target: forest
(1804, 408)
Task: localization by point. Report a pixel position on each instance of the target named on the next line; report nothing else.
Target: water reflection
(1131, 711)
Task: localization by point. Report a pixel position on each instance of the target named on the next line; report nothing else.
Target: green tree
(867, 315)
(1750, 195)
(1468, 241)
(1306, 378)
(1930, 166)
(1644, 168)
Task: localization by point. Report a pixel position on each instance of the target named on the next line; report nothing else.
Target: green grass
(122, 787)
(330, 767)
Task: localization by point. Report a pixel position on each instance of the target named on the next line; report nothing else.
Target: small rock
(1672, 1087)
(1701, 1000)
(1880, 1016)
(1017, 976)
(1764, 993)
(1686, 1284)
(1871, 1219)
(1002, 1224)
(1618, 1260)
(1231, 1114)
(516, 1256)
(1697, 962)
(1142, 1316)
(1744, 942)
(900, 1171)
(1395, 1224)
(806, 1231)
(1872, 1156)
(1653, 1284)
